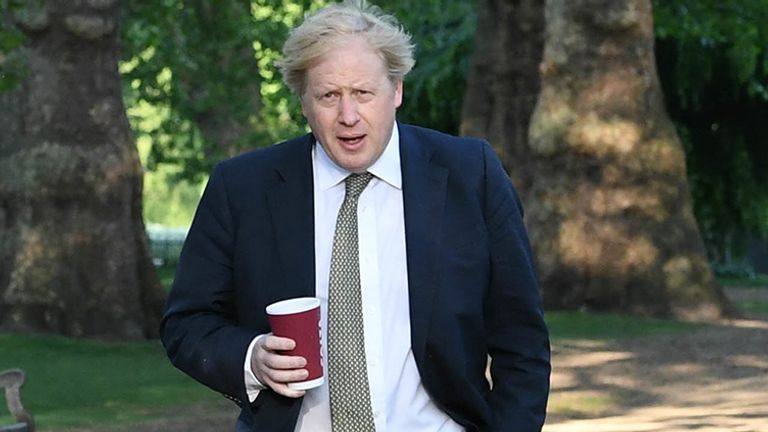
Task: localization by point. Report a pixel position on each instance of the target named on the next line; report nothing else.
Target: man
(437, 276)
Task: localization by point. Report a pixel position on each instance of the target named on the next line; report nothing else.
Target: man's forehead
(348, 67)
(332, 81)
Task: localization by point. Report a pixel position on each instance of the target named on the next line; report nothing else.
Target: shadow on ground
(711, 379)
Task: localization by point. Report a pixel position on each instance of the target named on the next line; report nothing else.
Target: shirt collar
(386, 167)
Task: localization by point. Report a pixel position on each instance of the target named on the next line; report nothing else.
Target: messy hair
(320, 32)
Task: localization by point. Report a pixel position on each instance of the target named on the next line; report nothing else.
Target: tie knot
(355, 183)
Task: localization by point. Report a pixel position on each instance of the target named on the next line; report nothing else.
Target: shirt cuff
(252, 384)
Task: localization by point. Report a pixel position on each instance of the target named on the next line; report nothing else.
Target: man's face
(350, 104)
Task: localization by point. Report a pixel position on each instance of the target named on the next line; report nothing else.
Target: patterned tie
(347, 371)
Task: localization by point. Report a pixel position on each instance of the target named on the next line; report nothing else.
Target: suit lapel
(291, 204)
(424, 189)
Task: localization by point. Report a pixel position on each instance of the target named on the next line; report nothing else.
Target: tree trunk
(74, 258)
(609, 211)
(504, 82)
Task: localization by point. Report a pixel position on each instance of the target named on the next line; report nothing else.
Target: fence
(166, 244)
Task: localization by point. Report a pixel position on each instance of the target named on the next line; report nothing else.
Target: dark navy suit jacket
(471, 280)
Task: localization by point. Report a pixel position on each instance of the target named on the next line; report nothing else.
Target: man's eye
(328, 96)
(364, 94)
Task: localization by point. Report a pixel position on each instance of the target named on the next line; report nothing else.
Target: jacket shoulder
(268, 157)
(440, 139)
(453, 152)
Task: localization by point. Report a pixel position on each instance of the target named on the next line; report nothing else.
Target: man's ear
(398, 93)
(301, 102)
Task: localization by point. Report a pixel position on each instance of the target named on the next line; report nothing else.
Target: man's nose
(348, 114)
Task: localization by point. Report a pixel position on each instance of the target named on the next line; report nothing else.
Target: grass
(84, 383)
(757, 281)
(753, 307)
(582, 325)
(582, 404)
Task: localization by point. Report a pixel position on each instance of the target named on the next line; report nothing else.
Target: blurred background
(634, 130)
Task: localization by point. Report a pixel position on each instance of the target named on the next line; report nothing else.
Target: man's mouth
(351, 140)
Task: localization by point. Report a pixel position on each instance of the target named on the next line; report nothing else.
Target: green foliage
(195, 62)
(713, 65)
(166, 274)
(11, 39)
(181, 71)
(443, 32)
(281, 109)
(168, 200)
(169, 197)
(78, 383)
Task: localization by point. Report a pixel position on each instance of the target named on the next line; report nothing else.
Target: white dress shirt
(398, 399)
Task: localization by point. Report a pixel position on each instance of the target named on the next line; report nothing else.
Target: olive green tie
(347, 371)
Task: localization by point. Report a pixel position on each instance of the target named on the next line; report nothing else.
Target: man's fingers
(284, 390)
(274, 361)
(276, 370)
(278, 379)
(269, 355)
(286, 376)
(276, 343)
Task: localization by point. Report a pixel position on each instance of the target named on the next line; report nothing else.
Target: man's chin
(354, 165)
(352, 160)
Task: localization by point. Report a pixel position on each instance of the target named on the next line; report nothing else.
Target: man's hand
(276, 370)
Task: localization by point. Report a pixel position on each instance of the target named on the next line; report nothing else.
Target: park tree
(609, 209)
(504, 81)
(74, 258)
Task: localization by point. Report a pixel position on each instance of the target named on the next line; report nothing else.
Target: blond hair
(318, 34)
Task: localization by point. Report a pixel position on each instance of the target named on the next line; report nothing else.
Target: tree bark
(504, 82)
(609, 210)
(74, 258)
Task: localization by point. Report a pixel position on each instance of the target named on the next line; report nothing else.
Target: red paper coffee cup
(299, 319)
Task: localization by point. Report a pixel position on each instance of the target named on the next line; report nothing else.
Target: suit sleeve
(518, 341)
(199, 328)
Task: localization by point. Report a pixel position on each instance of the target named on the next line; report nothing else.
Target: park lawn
(582, 404)
(753, 307)
(82, 383)
(569, 325)
(756, 281)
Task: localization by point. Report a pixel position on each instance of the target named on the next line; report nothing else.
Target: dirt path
(202, 417)
(712, 379)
